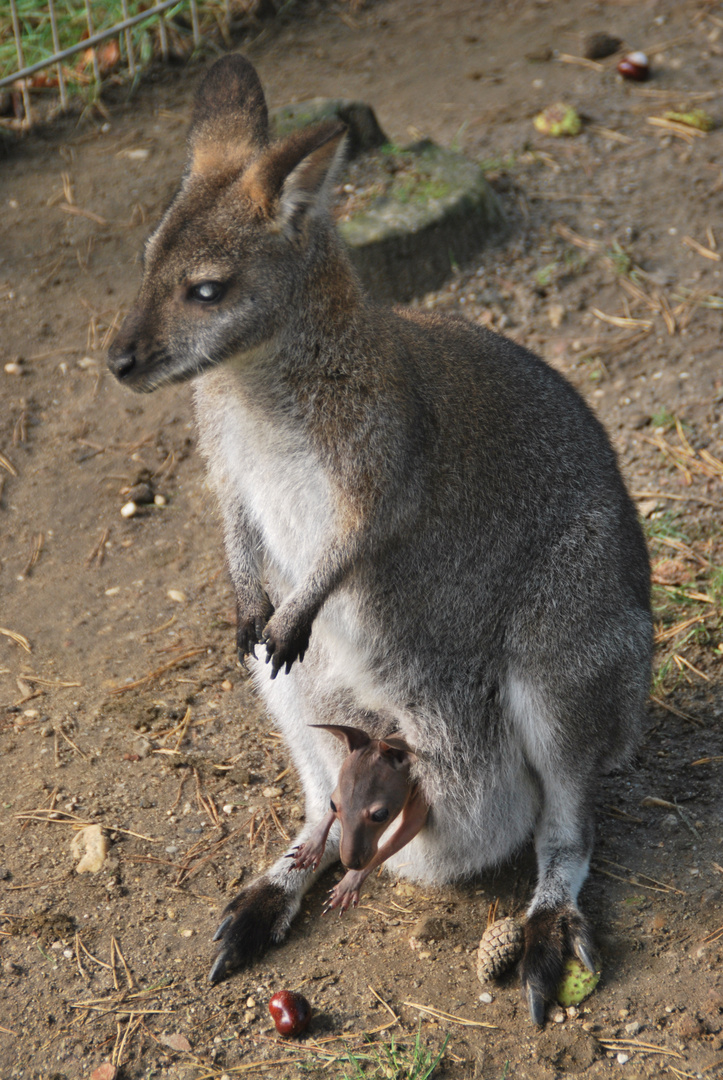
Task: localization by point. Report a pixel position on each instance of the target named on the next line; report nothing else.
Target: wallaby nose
(122, 364)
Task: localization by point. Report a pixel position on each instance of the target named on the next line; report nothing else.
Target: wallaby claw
(218, 971)
(223, 926)
(536, 1006)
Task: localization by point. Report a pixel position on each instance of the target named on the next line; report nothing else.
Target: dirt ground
(121, 702)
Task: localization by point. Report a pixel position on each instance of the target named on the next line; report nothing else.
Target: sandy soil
(121, 702)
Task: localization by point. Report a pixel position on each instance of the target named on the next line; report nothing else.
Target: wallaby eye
(331, 804)
(380, 815)
(206, 291)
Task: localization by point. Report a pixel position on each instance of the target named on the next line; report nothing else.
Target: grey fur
(423, 508)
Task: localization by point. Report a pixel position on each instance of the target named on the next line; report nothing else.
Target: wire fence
(60, 48)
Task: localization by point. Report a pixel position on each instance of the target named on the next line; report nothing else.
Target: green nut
(558, 119)
(577, 982)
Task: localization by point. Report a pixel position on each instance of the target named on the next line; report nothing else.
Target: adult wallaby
(419, 509)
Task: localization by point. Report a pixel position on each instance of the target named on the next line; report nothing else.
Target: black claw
(224, 925)
(218, 971)
(584, 955)
(536, 1005)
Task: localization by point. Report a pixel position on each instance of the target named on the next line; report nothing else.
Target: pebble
(176, 595)
(159, 500)
(559, 1017)
(272, 792)
(486, 998)
(622, 1058)
(91, 847)
(633, 1027)
(129, 510)
(13, 368)
(250, 1003)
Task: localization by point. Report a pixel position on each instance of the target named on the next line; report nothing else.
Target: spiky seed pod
(499, 948)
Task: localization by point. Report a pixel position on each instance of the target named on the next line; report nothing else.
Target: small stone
(486, 998)
(176, 595)
(249, 1016)
(622, 1058)
(227, 685)
(250, 1003)
(272, 792)
(171, 913)
(13, 368)
(129, 510)
(187, 933)
(424, 955)
(227, 808)
(428, 928)
(159, 500)
(556, 313)
(572, 1013)
(633, 1027)
(91, 847)
(559, 1017)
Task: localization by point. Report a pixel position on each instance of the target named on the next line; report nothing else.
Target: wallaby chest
(266, 466)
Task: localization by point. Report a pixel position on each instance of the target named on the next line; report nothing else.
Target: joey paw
(551, 936)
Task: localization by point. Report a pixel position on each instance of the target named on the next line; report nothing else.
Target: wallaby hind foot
(551, 936)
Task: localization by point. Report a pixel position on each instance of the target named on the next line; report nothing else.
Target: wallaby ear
(294, 177)
(354, 737)
(230, 124)
(395, 750)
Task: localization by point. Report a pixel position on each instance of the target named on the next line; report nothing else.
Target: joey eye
(380, 815)
(333, 807)
(206, 291)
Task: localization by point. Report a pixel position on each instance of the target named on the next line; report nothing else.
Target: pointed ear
(293, 179)
(397, 749)
(230, 124)
(354, 737)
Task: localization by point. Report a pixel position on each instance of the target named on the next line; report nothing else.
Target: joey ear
(354, 737)
(294, 177)
(230, 122)
(397, 749)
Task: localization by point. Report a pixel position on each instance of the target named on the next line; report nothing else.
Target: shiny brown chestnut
(634, 66)
(291, 1012)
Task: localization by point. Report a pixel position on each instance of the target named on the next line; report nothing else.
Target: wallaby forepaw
(283, 647)
(305, 857)
(250, 629)
(551, 936)
(255, 919)
(345, 894)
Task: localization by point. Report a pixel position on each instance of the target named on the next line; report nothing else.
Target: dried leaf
(177, 1042)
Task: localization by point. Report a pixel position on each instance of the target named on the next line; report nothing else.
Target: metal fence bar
(91, 31)
(129, 43)
(56, 46)
(94, 39)
(19, 50)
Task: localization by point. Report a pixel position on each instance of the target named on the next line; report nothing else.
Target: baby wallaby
(422, 511)
(373, 789)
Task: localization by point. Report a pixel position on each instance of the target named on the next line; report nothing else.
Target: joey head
(425, 526)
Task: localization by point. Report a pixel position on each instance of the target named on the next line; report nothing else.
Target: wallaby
(420, 510)
(373, 789)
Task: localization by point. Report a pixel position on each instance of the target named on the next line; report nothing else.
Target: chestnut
(634, 66)
(291, 1012)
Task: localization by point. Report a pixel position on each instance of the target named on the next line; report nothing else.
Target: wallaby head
(221, 271)
(373, 787)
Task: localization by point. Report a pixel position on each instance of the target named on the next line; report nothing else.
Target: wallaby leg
(262, 912)
(555, 928)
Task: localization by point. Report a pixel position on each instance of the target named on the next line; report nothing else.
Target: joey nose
(122, 363)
